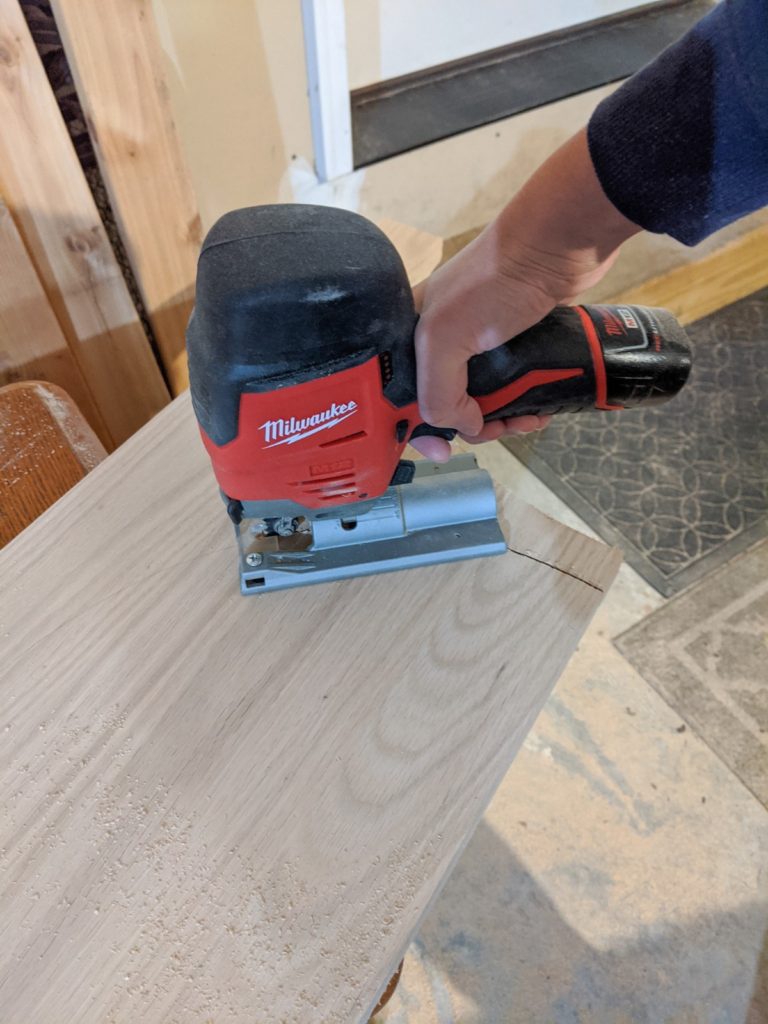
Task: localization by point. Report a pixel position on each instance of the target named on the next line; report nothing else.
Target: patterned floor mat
(684, 487)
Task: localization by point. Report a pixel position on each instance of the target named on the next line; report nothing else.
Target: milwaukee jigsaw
(303, 380)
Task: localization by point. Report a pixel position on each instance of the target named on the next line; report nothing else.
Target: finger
(525, 424)
(490, 432)
(514, 425)
(435, 448)
(442, 386)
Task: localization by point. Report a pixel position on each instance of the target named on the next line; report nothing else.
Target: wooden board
(226, 808)
(697, 289)
(46, 447)
(32, 345)
(116, 58)
(420, 251)
(47, 193)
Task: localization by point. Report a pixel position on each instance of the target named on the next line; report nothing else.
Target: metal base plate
(446, 514)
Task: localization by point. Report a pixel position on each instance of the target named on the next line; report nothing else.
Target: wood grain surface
(116, 58)
(46, 447)
(695, 290)
(226, 808)
(32, 345)
(48, 195)
(419, 250)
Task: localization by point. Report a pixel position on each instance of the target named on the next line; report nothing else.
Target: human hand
(556, 238)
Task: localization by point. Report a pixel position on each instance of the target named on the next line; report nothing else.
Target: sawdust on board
(82, 440)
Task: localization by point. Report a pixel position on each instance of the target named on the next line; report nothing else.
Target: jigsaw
(303, 379)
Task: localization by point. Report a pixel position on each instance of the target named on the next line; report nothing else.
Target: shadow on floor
(495, 950)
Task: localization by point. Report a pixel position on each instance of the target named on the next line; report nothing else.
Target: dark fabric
(682, 147)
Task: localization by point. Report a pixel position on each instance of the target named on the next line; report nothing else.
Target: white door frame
(325, 51)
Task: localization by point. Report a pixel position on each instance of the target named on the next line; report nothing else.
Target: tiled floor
(620, 875)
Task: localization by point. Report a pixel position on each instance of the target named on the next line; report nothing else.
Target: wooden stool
(388, 992)
(46, 447)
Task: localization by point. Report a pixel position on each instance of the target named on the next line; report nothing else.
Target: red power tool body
(303, 371)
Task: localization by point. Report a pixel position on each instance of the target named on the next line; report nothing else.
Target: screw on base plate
(254, 559)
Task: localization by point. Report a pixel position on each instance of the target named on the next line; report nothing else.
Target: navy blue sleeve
(681, 148)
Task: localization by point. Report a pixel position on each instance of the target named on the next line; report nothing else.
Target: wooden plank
(46, 447)
(44, 187)
(225, 807)
(116, 58)
(697, 289)
(420, 251)
(32, 345)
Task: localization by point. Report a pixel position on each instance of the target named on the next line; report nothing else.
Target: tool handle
(581, 357)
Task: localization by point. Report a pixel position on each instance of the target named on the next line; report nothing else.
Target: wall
(238, 88)
(387, 38)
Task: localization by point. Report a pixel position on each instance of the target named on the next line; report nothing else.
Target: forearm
(556, 238)
(553, 240)
(561, 225)
(681, 148)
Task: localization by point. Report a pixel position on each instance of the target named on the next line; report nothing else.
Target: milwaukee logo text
(291, 430)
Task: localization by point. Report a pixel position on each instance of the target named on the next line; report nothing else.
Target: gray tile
(706, 652)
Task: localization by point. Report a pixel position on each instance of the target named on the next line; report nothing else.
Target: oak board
(420, 251)
(225, 808)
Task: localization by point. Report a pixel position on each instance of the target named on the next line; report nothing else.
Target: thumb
(442, 384)
(435, 448)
